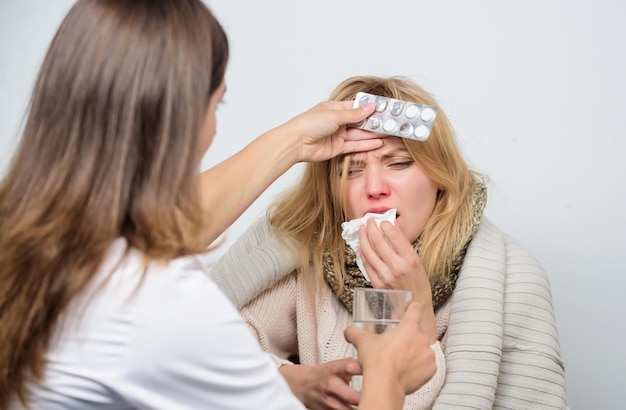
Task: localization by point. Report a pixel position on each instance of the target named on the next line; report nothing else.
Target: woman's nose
(376, 185)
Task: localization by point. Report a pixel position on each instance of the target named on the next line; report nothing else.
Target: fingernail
(368, 107)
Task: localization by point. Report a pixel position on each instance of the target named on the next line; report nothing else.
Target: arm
(531, 370)
(501, 337)
(315, 135)
(271, 318)
(254, 262)
(249, 273)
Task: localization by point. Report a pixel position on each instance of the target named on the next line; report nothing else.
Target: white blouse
(168, 339)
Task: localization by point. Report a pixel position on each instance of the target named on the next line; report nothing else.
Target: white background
(535, 90)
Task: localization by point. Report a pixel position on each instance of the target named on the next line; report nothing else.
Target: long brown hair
(109, 150)
(309, 215)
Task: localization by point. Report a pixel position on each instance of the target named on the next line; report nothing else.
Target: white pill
(412, 111)
(389, 125)
(421, 131)
(428, 114)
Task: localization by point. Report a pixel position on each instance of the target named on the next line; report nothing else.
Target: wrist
(271, 155)
(294, 375)
(285, 144)
(384, 392)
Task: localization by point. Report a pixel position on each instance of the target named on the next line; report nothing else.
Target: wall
(535, 90)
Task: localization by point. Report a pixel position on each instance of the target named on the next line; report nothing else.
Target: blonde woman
(491, 319)
(103, 304)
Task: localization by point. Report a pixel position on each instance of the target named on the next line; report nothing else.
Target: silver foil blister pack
(404, 119)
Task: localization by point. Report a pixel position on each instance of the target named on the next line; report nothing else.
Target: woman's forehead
(393, 146)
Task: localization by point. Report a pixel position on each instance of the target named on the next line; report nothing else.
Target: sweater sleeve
(473, 340)
(502, 347)
(255, 262)
(531, 370)
(271, 317)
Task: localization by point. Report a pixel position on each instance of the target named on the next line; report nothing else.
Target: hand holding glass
(377, 311)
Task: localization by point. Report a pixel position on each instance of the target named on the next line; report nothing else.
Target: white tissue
(351, 233)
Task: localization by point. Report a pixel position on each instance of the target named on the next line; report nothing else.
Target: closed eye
(352, 171)
(401, 164)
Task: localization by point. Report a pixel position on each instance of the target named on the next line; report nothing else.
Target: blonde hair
(308, 216)
(114, 120)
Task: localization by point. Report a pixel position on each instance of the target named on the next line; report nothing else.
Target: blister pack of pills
(395, 117)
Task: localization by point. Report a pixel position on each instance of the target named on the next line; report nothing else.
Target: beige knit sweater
(498, 329)
(289, 318)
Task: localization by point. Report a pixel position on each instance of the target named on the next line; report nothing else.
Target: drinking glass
(377, 311)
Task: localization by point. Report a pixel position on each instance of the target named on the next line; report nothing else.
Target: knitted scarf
(441, 289)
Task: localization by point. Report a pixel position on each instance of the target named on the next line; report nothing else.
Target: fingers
(322, 131)
(404, 351)
(333, 403)
(335, 389)
(371, 260)
(361, 113)
(348, 114)
(419, 351)
(343, 112)
(359, 141)
(388, 240)
(324, 386)
(394, 236)
(352, 368)
(354, 335)
(345, 368)
(414, 313)
(342, 395)
(385, 254)
(412, 318)
(362, 145)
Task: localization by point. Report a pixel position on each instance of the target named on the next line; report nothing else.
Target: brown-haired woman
(102, 302)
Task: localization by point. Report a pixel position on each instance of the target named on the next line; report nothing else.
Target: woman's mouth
(379, 211)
